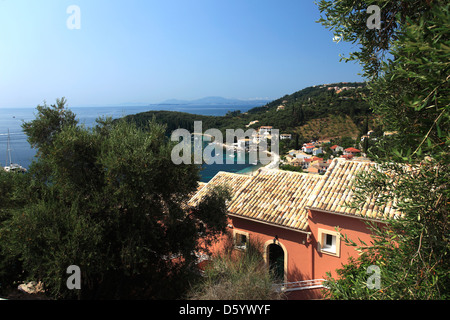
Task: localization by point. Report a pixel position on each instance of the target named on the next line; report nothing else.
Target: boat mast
(8, 151)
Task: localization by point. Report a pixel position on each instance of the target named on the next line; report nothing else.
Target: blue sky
(147, 51)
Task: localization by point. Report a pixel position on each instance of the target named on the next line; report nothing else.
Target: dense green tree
(13, 196)
(345, 142)
(406, 62)
(110, 200)
(289, 167)
(348, 21)
(48, 123)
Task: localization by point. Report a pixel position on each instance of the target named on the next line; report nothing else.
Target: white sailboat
(12, 167)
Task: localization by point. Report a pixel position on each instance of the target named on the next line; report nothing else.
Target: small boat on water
(12, 167)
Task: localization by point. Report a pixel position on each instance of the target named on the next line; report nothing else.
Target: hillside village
(294, 203)
(313, 157)
(310, 139)
(327, 191)
(295, 210)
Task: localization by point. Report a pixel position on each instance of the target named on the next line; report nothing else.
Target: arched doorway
(276, 260)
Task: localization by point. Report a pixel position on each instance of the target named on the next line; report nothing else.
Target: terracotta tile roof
(352, 150)
(201, 185)
(282, 198)
(276, 197)
(335, 192)
(234, 181)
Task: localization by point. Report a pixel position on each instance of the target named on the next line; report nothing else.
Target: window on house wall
(240, 240)
(329, 242)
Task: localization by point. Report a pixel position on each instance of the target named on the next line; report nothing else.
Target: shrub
(237, 275)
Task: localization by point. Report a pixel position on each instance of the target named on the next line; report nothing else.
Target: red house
(351, 151)
(336, 148)
(295, 216)
(308, 147)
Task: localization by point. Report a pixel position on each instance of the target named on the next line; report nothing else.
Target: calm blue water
(22, 153)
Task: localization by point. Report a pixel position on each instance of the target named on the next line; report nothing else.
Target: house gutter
(308, 233)
(346, 215)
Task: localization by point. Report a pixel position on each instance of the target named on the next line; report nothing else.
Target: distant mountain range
(214, 101)
(324, 111)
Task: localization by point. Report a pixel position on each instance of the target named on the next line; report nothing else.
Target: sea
(11, 119)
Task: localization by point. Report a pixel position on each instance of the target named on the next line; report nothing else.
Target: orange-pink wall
(299, 252)
(354, 228)
(304, 260)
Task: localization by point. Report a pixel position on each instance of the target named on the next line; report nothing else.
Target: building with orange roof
(265, 130)
(308, 147)
(351, 151)
(298, 218)
(336, 149)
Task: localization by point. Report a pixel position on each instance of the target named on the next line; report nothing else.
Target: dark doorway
(276, 261)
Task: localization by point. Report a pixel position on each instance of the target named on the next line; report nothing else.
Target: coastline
(251, 169)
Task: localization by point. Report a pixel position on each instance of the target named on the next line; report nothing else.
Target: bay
(21, 152)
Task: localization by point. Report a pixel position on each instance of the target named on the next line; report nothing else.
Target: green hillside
(324, 111)
(293, 112)
(329, 128)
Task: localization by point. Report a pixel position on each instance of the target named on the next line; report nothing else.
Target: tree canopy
(110, 200)
(407, 64)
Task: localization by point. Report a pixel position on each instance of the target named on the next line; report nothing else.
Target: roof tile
(282, 198)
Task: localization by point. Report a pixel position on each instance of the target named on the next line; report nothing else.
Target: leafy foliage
(237, 275)
(348, 21)
(110, 200)
(289, 167)
(410, 94)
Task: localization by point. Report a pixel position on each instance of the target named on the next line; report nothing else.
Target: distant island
(213, 101)
(312, 122)
(323, 111)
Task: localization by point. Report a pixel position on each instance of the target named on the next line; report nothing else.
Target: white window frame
(323, 247)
